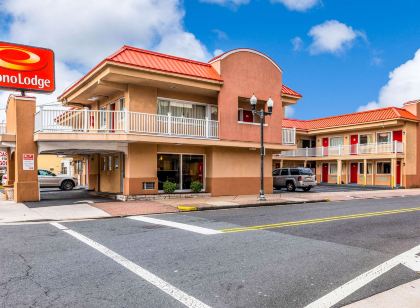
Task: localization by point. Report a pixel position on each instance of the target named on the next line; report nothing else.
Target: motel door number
(28, 161)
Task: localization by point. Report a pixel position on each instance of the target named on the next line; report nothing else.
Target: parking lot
(322, 188)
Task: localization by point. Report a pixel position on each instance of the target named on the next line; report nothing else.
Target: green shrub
(169, 187)
(196, 186)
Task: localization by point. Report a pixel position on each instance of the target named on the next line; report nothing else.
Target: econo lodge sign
(26, 68)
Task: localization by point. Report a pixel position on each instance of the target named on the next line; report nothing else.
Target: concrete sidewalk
(17, 212)
(406, 295)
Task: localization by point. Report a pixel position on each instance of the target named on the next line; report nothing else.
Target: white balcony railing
(343, 150)
(289, 135)
(102, 121)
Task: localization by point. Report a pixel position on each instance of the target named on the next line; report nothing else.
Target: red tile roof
(376, 115)
(165, 63)
(162, 62)
(288, 91)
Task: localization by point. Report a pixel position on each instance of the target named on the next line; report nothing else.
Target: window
(383, 168)
(245, 116)
(45, 173)
(362, 168)
(110, 163)
(294, 172)
(284, 172)
(276, 172)
(306, 143)
(102, 116)
(183, 109)
(333, 168)
(365, 139)
(214, 113)
(383, 137)
(104, 163)
(148, 185)
(336, 141)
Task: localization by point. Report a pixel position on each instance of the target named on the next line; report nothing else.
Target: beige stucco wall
(50, 162)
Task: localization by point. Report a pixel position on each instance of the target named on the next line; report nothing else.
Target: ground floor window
(362, 168)
(181, 169)
(333, 168)
(383, 168)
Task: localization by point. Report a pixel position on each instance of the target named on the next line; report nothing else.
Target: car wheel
(67, 185)
(307, 188)
(290, 186)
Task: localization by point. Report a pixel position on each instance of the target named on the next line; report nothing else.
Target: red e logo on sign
(26, 68)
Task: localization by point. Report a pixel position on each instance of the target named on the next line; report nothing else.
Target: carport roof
(369, 116)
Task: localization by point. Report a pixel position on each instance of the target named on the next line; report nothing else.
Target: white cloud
(232, 3)
(332, 36)
(84, 32)
(217, 52)
(403, 85)
(298, 5)
(297, 43)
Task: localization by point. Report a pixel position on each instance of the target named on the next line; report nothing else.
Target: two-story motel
(375, 147)
(139, 118)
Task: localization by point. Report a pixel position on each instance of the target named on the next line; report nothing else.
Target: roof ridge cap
(163, 55)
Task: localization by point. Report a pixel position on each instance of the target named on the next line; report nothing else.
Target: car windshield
(306, 171)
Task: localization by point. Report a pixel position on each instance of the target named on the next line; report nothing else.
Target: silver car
(48, 179)
(292, 178)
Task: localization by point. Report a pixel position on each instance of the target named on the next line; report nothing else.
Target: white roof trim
(226, 54)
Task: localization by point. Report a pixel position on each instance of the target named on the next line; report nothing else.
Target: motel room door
(354, 140)
(398, 175)
(325, 143)
(324, 177)
(353, 172)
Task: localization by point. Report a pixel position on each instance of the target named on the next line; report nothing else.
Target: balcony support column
(365, 172)
(393, 172)
(339, 171)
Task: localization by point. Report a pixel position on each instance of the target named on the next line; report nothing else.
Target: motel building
(377, 147)
(141, 118)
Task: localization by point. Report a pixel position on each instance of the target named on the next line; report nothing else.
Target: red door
(397, 135)
(325, 146)
(354, 140)
(398, 179)
(354, 172)
(324, 173)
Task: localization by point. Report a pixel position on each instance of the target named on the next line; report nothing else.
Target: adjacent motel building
(140, 118)
(376, 147)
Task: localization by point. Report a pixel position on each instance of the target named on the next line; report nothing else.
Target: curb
(183, 208)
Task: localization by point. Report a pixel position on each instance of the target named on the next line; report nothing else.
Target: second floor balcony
(123, 122)
(394, 147)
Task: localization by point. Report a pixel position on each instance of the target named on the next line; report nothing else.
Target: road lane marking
(318, 220)
(177, 225)
(169, 289)
(355, 284)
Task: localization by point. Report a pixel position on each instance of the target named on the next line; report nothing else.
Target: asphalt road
(129, 263)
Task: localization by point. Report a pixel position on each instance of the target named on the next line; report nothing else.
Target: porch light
(270, 104)
(253, 100)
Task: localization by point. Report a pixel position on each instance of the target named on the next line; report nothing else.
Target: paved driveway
(55, 197)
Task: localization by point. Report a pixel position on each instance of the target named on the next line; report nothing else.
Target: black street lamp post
(261, 114)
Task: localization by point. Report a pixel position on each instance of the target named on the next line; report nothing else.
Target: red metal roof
(165, 63)
(389, 113)
(162, 62)
(286, 90)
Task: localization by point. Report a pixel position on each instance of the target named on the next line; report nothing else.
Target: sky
(341, 55)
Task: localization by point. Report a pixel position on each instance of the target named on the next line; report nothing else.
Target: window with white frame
(362, 168)
(333, 168)
(102, 116)
(184, 109)
(384, 137)
(336, 141)
(383, 167)
(365, 139)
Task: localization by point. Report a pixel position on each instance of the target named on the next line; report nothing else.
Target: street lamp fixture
(261, 114)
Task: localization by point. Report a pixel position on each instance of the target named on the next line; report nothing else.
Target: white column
(85, 119)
